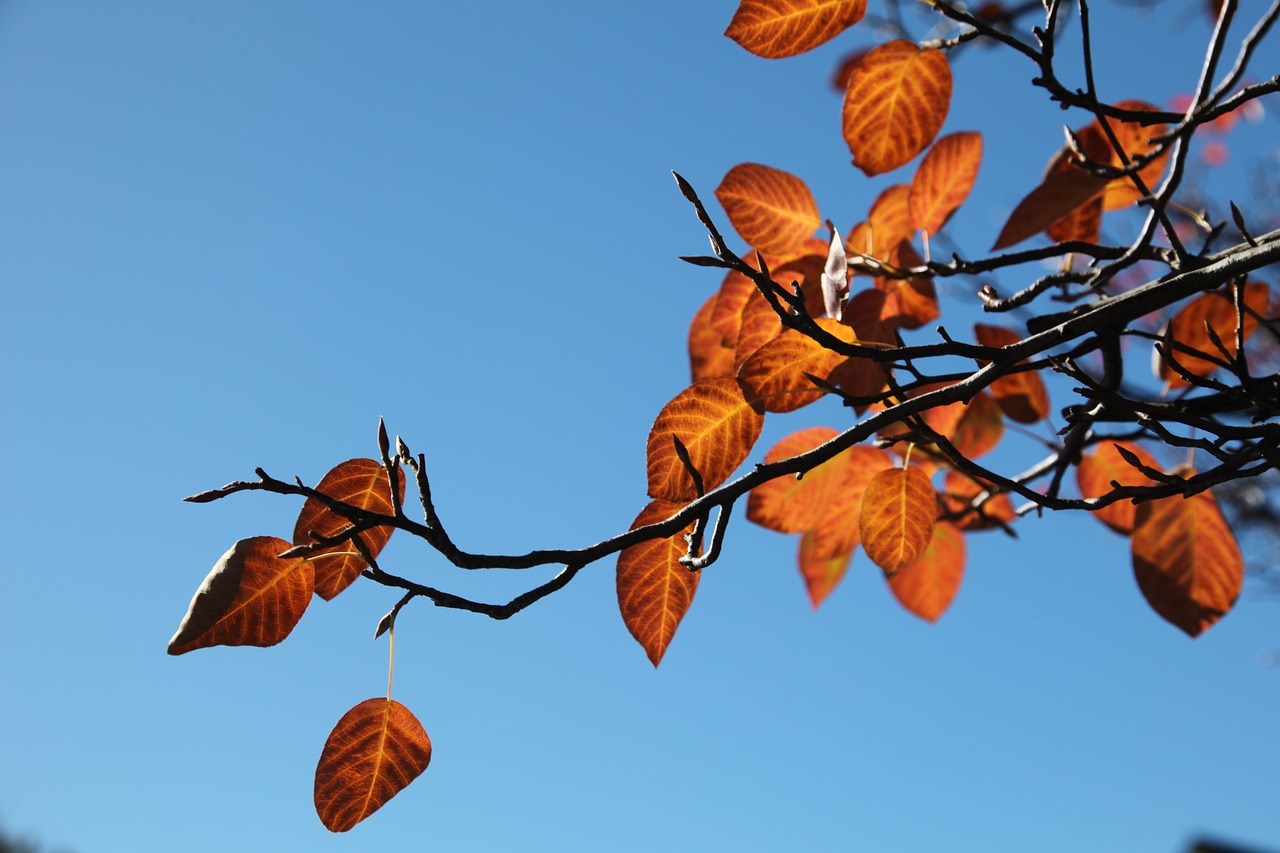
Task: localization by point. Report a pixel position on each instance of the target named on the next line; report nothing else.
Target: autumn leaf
(928, 586)
(1135, 140)
(897, 99)
(708, 355)
(958, 500)
(888, 224)
(943, 180)
(866, 313)
(654, 589)
(372, 754)
(821, 571)
(979, 428)
(776, 377)
(909, 302)
(1186, 561)
(361, 483)
(251, 598)
(716, 425)
(1096, 472)
(1021, 396)
(775, 29)
(771, 209)
(1061, 192)
(732, 297)
(1215, 309)
(899, 512)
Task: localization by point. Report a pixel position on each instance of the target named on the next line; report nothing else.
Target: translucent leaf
(899, 512)
(716, 425)
(708, 355)
(1021, 396)
(928, 586)
(251, 598)
(1096, 472)
(654, 589)
(1058, 194)
(1215, 309)
(821, 572)
(776, 377)
(772, 210)
(372, 754)
(897, 100)
(958, 500)
(726, 318)
(909, 302)
(943, 179)
(775, 29)
(888, 224)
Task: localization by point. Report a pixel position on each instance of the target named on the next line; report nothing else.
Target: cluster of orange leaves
(745, 363)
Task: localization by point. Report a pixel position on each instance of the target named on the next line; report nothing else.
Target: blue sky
(236, 234)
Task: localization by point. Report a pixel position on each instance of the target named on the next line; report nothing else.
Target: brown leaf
(1186, 561)
(361, 483)
(899, 512)
(958, 499)
(1021, 396)
(909, 302)
(928, 586)
(718, 427)
(654, 589)
(1096, 472)
(372, 754)
(1059, 194)
(888, 224)
(943, 179)
(897, 99)
(775, 29)
(771, 209)
(251, 598)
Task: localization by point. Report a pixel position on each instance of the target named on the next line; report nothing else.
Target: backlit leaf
(1135, 139)
(771, 209)
(1021, 396)
(708, 355)
(943, 179)
(775, 375)
(897, 99)
(899, 512)
(958, 499)
(1059, 194)
(928, 586)
(888, 224)
(909, 302)
(867, 315)
(1215, 309)
(821, 572)
(372, 754)
(979, 427)
(726, 318)
(787, 504)
(1096, 472)
(251, 598)
(775, 29)
(1186, 561)
(718, 427)
(361, 483)
(654, 589)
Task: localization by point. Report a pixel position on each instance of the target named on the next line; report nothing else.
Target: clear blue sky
(235, 234)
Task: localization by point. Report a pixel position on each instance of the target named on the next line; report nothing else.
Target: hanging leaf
(958, 500)
(726, 318)
(888, 224)
(910, 302)
(716, 425)
(372, 754)
(1096, 472)
(899, 512)
(776, 377)
(943, 180)
(1135, 140)
(821, 572)
(1186, 561)
(979, 427)
(897, 99)
(251, 598)
(775, 29)
(1082, 223)
(869, 318)
(708, 355)
(654, 589)
(771, 209)
(788, 504)
(835, 533)
(1021, 396)
(1217, 310)
(1058, 195)
(928, 586)
(361, 483)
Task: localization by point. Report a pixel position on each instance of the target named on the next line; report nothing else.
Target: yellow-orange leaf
(774, 377)
(943, 179)
(897, 99)
(979, 427)
(775, 29)
(787, 504)
(899, 512)
(1022, 396)
(708, 355)
(909, 302)
(927, 586)
(716, 425)
(372, 754)
(251, 598)
(1186, 561)
(759, 325)
(821, 572)
(771, 209)
(958, 498)
(888, 224)
(361, 483)
(1096, 472)
(727, 315)
(654, 589)
(1215, 309)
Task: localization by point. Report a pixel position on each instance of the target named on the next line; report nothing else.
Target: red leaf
(372, 754)
(718, 427)
(775, 29)
(654, 589)
(771, 209)
(897, 99)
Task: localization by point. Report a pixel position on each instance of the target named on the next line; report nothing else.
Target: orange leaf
(897, 99)
(717, 426)
(1084, 223)
(1059, 194)
(361, 483)
(1215, 309)
(251, 598)
(943, 179)
(774, 377)
(372, 754)
(727, 316)
(821, 572)
(958, 499)
(1134, 138)
(775, 29)
(760, 324)
(927, 586)
(1096, 472)
(899, 511)
(772, 210)
(654, 589)
(787, 504)
(1186, 561)
(979, 427)
(909, 302)
(708, 355)
(1022, 396)
(888, 224)
(867, 314)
